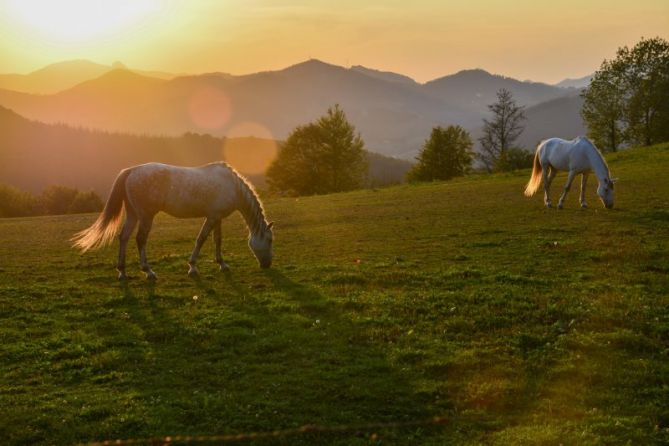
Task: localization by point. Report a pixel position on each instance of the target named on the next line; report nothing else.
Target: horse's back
(181, 191)
(565, 154)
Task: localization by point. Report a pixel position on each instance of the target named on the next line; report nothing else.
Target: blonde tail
(535, 179)
(106, 226)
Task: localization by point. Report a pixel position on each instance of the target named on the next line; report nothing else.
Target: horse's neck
(598, 164)
(249, 206)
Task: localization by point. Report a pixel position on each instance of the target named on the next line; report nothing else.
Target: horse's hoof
(122, 277)
(584, 206)
(193, 273)
(560, 206)
(548, 205)
(151, 276)
(224, 267)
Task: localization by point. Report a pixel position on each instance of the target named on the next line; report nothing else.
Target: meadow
(461, 299)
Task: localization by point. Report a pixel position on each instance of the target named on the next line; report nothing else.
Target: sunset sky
(425, 39)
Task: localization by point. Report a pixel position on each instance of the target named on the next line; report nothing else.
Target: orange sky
(425, 39)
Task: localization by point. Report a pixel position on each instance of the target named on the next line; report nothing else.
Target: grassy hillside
(463, 299)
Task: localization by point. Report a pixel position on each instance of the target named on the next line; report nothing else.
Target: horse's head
(261, 245)
(605, 192)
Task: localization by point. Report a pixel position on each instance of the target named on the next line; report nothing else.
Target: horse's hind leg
(584, 182)
(217, 241)
(145, 224)
(548, 175)
(567, 186)
(201, 238)
(124, 236)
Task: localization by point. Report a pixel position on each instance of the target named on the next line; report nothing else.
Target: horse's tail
(106, 226)
(535, 179)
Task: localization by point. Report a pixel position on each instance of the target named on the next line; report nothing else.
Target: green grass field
(463, 299)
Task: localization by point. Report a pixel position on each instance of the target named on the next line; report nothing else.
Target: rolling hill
(558, 117)
(393, 113)
(579, 82)
(475, 89)
(34, 155)
(385, 75)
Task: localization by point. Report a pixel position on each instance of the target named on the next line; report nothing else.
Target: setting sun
(79, 20)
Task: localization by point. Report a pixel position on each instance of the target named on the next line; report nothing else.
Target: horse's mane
(599, 155)
(597, 151)
(250, 205)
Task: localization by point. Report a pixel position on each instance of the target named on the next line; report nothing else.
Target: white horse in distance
(578, 156)
(213, 191)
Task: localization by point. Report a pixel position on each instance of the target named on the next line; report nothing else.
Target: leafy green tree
(603, 107)
(321, 157)
(447, 153)
(297, 168)
(647, 75)
(628, 99)
(501, 132)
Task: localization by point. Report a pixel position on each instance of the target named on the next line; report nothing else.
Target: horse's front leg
(584, 182)
(548, 175)
(145, 224)
(201, 238)
(567, 186)
(124, 237)
(217, 241)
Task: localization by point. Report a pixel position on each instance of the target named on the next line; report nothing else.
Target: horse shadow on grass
(256, 354)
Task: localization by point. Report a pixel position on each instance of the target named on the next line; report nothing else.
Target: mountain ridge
(63, 75)
(393, 113)
(579, 82)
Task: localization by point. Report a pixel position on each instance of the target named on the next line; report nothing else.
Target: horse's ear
(270, 224)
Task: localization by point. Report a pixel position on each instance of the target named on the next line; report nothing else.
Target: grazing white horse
(213, 191)
(578, 156)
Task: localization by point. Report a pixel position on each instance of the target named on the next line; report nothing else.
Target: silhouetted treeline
(54, 200)
(34, 155)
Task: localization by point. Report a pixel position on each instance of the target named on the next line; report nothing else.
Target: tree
(320, 157)
(500, 133)
(447, 153)
(628, 99)
(297, 168)
(603, 108)
(647, 75)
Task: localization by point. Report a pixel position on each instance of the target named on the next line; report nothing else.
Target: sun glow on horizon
(424, 39)
(77, 21)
